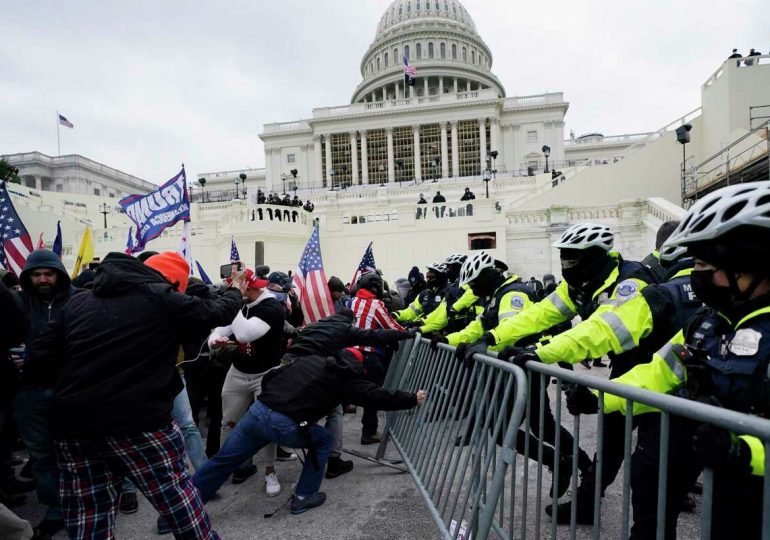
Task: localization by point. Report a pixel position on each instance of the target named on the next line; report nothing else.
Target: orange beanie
(173, 267)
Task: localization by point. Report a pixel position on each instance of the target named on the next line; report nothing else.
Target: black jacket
(329, 335)
(39, 311)
(308, 389)
(111, 352)
(264, 353)
(14, 325)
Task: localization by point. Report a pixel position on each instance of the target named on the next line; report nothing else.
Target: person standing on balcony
(736, 54)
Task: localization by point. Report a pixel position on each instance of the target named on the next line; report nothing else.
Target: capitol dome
(440, 40)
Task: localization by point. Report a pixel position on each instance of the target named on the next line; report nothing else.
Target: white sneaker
(272, 486)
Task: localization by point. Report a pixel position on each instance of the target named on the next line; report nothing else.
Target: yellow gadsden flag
(85, 253)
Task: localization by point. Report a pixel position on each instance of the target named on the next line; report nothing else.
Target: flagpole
(58, 138)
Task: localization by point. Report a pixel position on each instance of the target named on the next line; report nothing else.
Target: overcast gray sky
(151, 84)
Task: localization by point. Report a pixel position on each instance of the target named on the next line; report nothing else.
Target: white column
(328, 143)
(364, 158)
(384, 93)
(305, 170)
(494, 133)
(425, 86)
(268, 169)
(441, 86)
(455, 82)
(391, 163)
(318, 171)
(417, 165)
(455, 151)
(39, 184)
(517, 145)
(444, 156)
(354, 158)
(468, 85)
(483, 143)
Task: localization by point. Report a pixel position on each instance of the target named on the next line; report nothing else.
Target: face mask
(719, 298)
(484, 285)
(578, 272)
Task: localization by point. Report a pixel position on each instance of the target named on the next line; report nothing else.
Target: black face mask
(719, 298)
(578, 272)
(484, 285)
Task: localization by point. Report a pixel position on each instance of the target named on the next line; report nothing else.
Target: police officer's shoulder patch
(745, 342)
(517, 302)
(626, 289)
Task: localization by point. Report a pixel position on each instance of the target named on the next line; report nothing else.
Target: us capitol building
(365, 164)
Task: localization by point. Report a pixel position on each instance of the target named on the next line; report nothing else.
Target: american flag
(184, 246)
(410, 72)
(15, 242)
(234, 257)
(130, 242)
(40, 242)
(367, 265)
(66, 123)
(310, 280)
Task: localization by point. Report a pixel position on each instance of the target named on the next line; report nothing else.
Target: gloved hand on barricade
(580, 400)
(719, 449)
(465, 351)
(435, 340)
(518, 355)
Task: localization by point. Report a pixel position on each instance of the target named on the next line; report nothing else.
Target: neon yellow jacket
(558, 307)
(438, 318)
(618, 325)
(512, 304)
(415, 310)
(667, 373)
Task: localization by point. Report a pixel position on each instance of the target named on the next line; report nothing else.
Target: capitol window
(465, 55)
(418, 51)
(406, 51)
(290, 158)
(473, 57)
(395, 55)
(454, 51)
(430, 50)
(386, 59)
(442, 50)
(378, 63)
(532, 136)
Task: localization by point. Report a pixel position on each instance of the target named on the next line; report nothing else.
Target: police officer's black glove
(719, 449)
(465, 352)
(435, 340)
(391, 336)
(580, 400)
(508, 352)
(411, 324)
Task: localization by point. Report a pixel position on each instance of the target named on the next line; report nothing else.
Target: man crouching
(293, 399)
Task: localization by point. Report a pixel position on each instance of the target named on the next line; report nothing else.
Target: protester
(46, 289)
(338, 292)
(294, 398)
(256, 335)
(107, 350)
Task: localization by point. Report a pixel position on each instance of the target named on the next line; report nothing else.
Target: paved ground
(370, 502)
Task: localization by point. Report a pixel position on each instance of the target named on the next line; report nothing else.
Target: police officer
(721, 356)
(652, 261)
(459, 307)
(429, 299)
(593, 275)
(629, 328)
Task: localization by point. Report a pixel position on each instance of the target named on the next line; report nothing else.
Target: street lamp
(191, 190)
(283, 179)
(381, 169)
(546, 153)
(295, 173)
(202, 182)
(683, 137)
(104, 210)
(333, 174)
(493, 154)
(400, 165)
(344, 172)
(243, 177)
(487, 177)
(236, 181)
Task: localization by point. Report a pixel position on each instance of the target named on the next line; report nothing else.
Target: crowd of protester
(150, 348)
(286, 200)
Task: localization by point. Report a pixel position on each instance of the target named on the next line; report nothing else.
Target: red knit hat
(173, 267)
(357, 354)
(253, 281)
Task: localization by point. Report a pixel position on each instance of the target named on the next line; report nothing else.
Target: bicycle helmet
(669, 253)
(474, 265)
(439, 268)
(456, 258)
(586, 235)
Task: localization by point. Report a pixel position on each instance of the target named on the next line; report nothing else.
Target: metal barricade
(462, 447)
(450, 444)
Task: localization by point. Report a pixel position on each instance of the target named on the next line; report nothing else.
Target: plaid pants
(92, 471)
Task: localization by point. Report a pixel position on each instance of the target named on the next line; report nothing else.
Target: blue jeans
(259, 427)
(193, 443)
(31, 408)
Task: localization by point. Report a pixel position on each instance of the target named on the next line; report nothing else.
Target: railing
(286, 126)
(609, 140)
(466, 448)
(720, 166)
(740, 63)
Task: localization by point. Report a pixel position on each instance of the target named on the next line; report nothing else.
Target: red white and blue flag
(184, 248)
(15, 242)
(365, 266)
(310, 280)
(410, 72)
(66, 123)
(234, 256)
(57, 243)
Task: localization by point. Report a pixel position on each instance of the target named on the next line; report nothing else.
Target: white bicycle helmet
(586, 235)
(722, 211)
(474, 265)
(456, 258)
(669, 253)
(437, 267)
